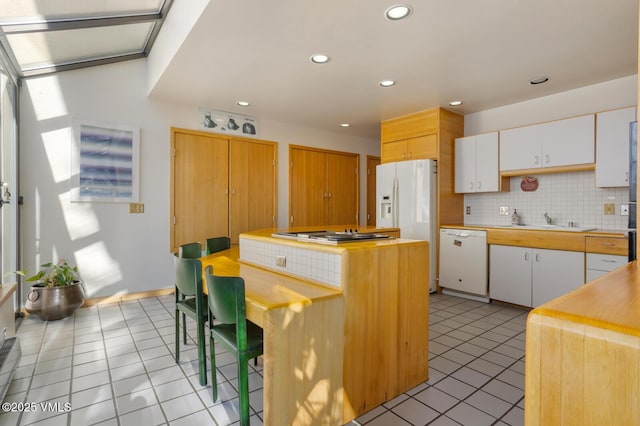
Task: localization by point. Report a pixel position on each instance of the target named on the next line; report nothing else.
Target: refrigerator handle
(395, 203)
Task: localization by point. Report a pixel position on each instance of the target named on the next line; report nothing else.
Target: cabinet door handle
(410, 154)
(626, 177)
(233, 191)
(471, 185)
(325, 195)
(404, 155)
(547, 158)
(479, 184)
(537, 257)
(329, 195)
(526, 257)
(536, 159)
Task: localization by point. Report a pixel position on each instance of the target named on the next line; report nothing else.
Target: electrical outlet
(504, 211)
(468, 210)
(624, 210)
(609, 209)
(136, 208)
(281, 261)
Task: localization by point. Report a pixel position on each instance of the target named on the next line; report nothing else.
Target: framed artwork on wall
(228, 122)
(105, 162)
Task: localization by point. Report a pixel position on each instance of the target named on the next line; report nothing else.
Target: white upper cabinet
(557, 143)
(612, 147)
(476, 163)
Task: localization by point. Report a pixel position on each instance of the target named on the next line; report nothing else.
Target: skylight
(45, 36)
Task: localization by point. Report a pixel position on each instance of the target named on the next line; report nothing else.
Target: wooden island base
(583, 355)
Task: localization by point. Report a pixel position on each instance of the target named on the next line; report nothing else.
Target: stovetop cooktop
(329, 237)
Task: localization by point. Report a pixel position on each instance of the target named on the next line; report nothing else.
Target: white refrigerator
(405, 199)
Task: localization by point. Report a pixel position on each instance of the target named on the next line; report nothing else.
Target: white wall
(604, 96)
(118, 252)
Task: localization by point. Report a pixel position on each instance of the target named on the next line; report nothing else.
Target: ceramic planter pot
(54, 303)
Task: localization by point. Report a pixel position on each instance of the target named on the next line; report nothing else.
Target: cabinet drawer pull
(608, 261)
(608, 244)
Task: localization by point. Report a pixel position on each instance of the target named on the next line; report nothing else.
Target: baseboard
(126, 297)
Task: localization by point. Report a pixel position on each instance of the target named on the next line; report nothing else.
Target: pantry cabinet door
(252, 186)
(342, 189)
(199, 211)
(307, 187)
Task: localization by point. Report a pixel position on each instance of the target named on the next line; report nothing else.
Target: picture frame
(228, 122)
(105, 162)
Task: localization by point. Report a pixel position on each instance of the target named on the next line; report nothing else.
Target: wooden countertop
(611, 302)
(545, 239)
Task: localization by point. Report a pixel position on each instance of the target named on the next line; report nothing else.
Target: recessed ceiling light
(455, 103)
(538, 80)
(319, 58)
(243, 103)
(345, 125)
(387, 83)
(397, 12)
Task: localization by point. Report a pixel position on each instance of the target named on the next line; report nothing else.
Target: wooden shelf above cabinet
(547, 170)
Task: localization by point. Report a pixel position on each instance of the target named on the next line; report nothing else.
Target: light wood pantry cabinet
(569, 142)
(476, 163)
(220, 186)
(323, 187)
(530, 276)
(612, 147)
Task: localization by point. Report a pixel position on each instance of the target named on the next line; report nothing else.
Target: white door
(555, 273)
(568, 142)
(465, 164)
(521, 148)
(510, 274)
(385, 178)
(487, 162)
(612, 147)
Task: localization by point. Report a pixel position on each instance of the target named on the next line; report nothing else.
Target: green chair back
(188, 276)
(217, 244)
(190, 250)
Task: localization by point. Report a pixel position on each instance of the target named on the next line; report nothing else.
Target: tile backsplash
(564, 196)
(303, 262)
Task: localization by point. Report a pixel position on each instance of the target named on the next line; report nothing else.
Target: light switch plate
(504, 211)
(281, 261)
(609, 209)
(136, 208)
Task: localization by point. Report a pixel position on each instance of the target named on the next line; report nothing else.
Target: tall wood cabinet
(323, 187)
(220, 186)
(429, 134)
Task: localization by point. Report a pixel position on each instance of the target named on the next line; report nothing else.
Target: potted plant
(57, 291)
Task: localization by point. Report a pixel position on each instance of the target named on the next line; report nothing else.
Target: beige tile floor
(114, 365)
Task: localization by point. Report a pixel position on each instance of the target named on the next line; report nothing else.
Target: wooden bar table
(583, 354)
(303, 342)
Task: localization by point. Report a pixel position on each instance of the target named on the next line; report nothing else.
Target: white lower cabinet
(530, 277)
(601, 264)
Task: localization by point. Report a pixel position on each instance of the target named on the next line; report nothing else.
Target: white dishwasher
(463, 261)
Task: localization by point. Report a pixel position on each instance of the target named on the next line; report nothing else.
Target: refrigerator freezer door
(385, 178)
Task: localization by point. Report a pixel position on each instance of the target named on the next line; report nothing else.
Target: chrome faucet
(548, 218)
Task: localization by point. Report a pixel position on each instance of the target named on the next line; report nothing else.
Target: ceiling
(480, 52)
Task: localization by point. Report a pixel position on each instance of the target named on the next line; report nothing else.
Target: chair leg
(202, 354)
(243, 384)
(214, 377)
(177, 321)
(184, 328)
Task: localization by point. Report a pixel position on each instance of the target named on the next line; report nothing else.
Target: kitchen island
(357, 338)
(583, 354)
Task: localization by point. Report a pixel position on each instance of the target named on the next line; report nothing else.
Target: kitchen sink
(548, 227)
